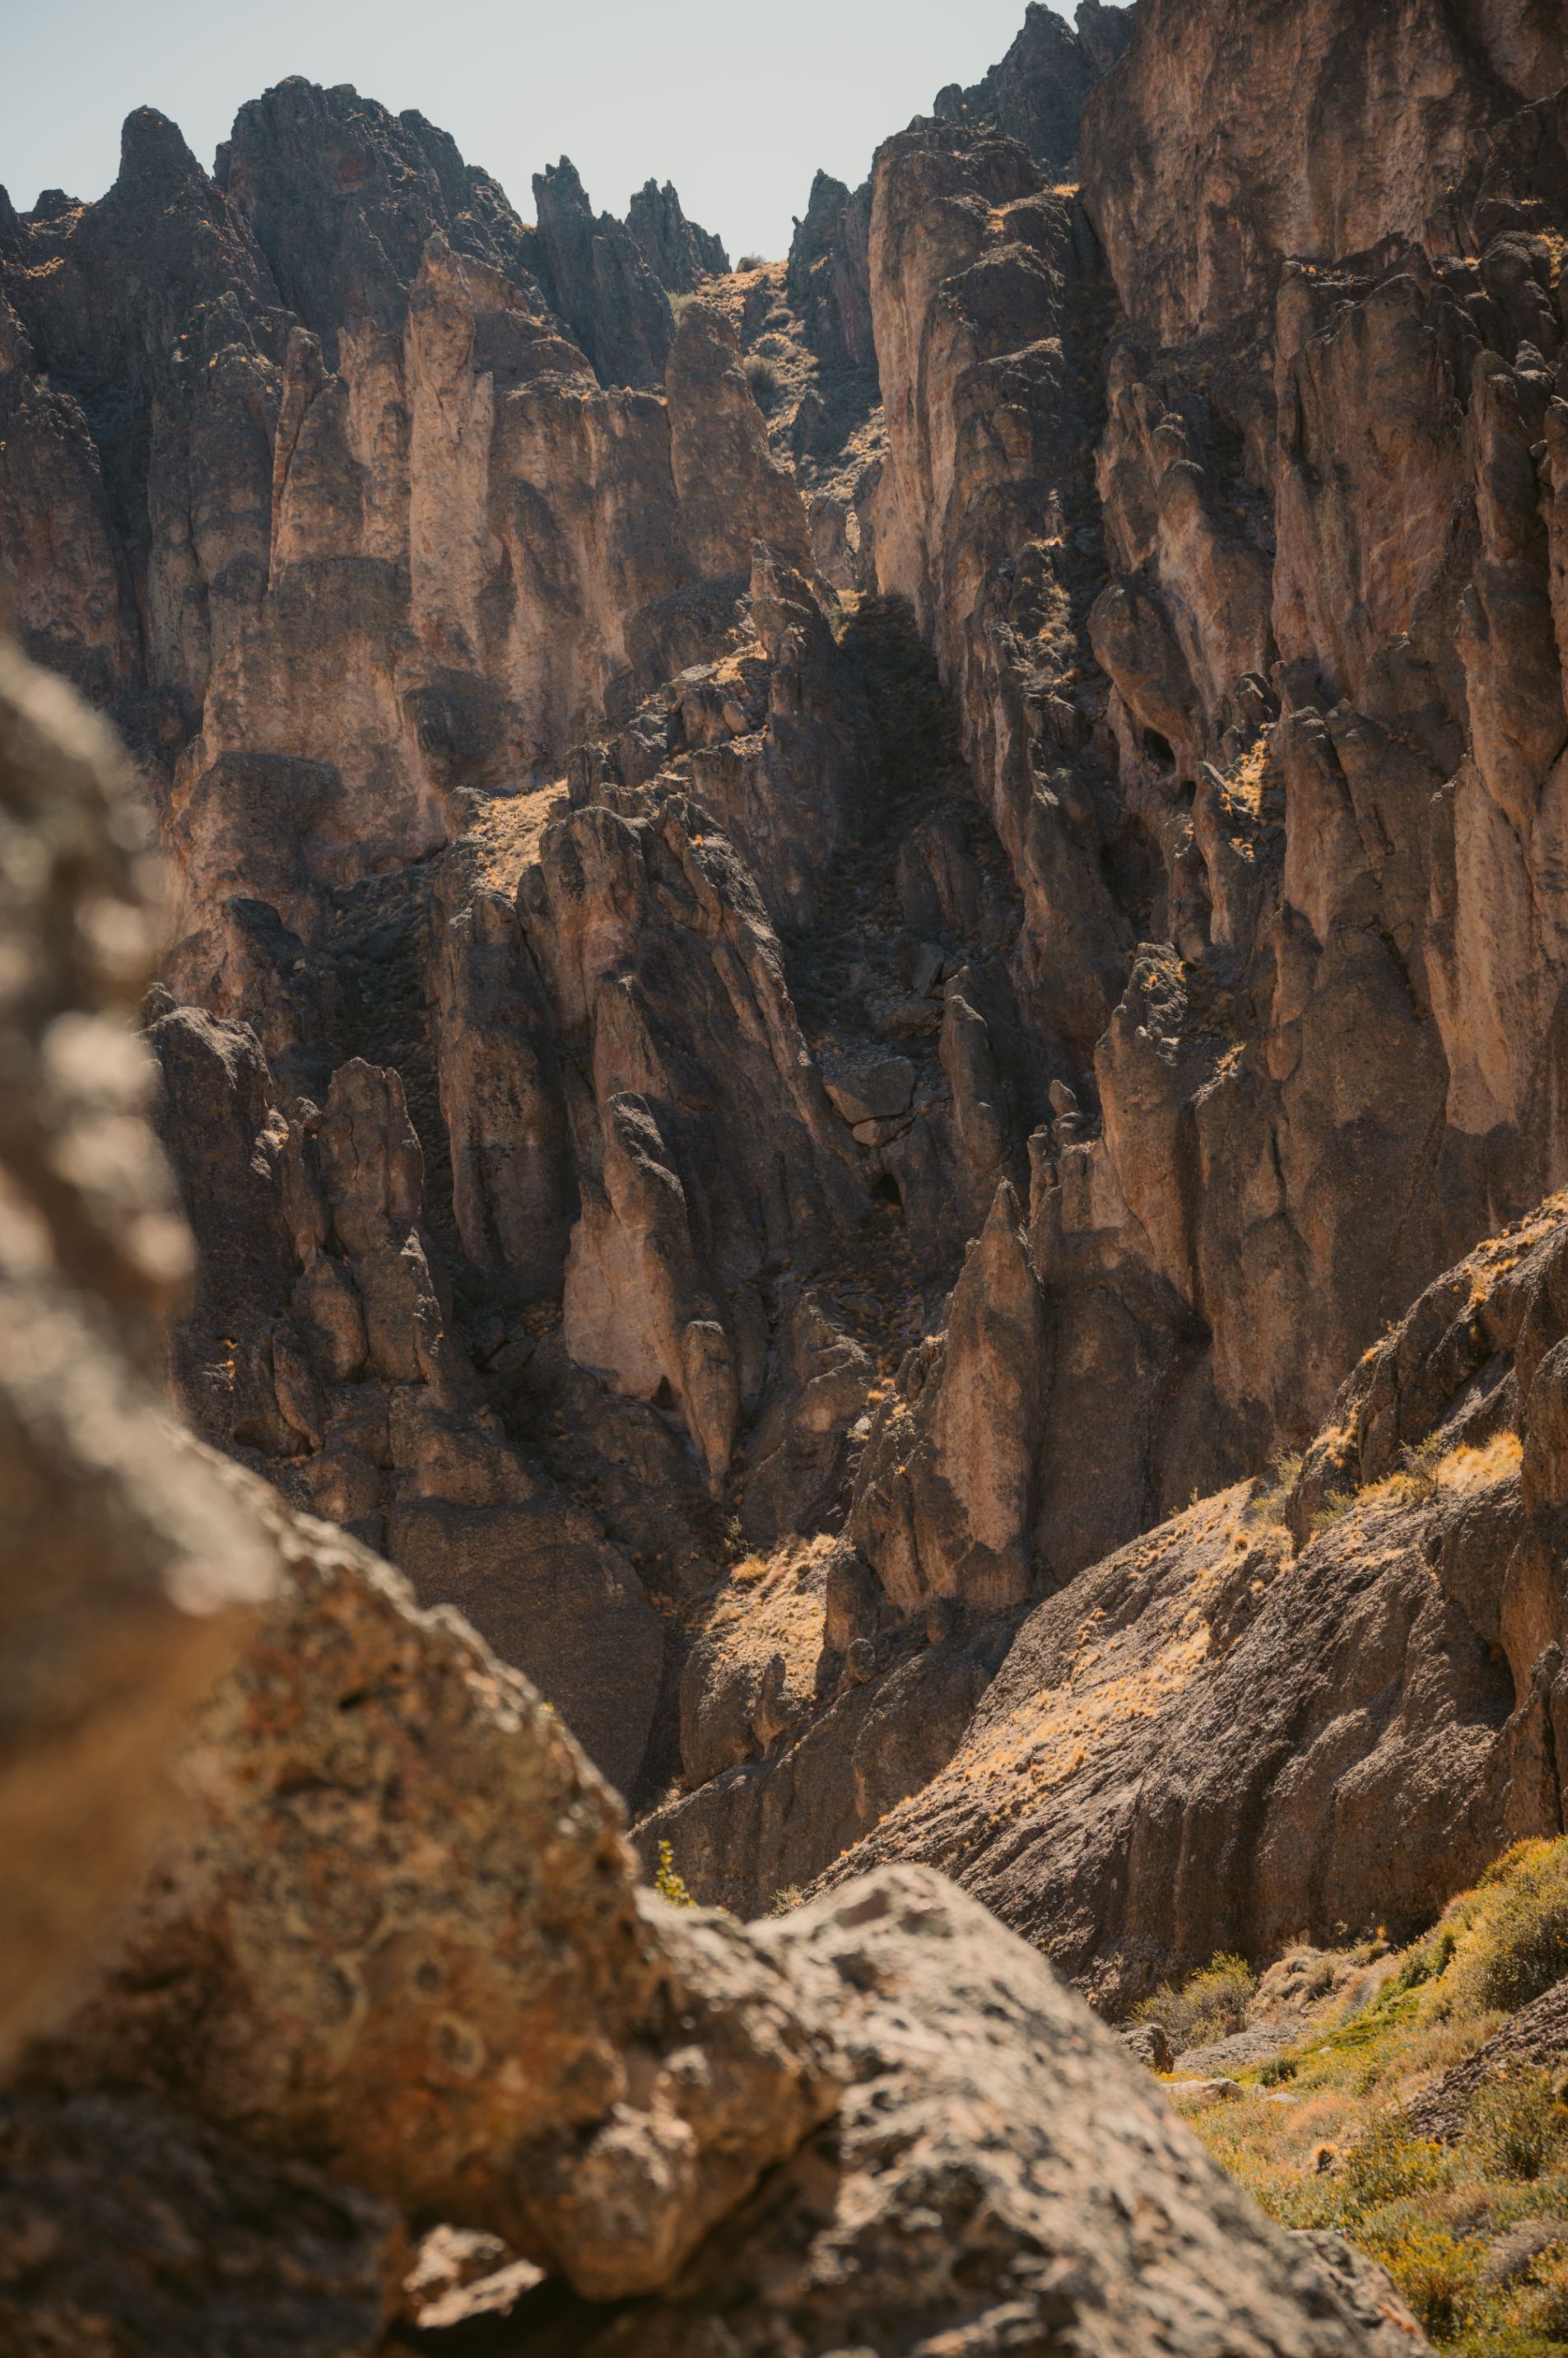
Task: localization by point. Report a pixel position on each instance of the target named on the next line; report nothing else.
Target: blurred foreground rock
(124, 1569)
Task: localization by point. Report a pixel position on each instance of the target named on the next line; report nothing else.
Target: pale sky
(737, 101)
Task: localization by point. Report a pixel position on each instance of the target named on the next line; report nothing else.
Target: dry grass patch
(1473, 2231)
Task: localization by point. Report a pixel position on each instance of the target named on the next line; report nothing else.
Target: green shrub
(1524, 1941)
(1426, 1965)
(1333, 1510)
(1210, 2005)
(1518, 2125)
(1421, 1464)
(1389, 2165)
(1438, 2276)
(767, 385)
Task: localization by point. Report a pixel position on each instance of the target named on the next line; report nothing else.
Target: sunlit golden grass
(1323, 2136)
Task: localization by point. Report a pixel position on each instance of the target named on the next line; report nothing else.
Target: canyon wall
(841, 931)
(322, 1933)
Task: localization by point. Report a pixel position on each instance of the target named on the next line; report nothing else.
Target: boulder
(868, 1091)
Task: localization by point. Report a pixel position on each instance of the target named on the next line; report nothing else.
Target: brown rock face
(401, 1916)
(1232, 138)
(883, 2226)
(1037, 94)
(944, 1505)
(319, 1347)
(1224, 1732)
(601, 281)
(908, 984)
(129, 2229)
(393, 1928)
(677, 251)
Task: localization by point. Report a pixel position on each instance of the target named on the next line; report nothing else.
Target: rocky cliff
(323, 1933)
(845, 935)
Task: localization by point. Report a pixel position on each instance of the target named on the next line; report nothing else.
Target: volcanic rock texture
(844, 933)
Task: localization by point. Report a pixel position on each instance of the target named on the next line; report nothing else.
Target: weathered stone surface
(1206, 1743)
(601, 281)
(1354, 141)
(1534, 2038)
(796, 1450)
(1071, 2200)
(829, 272)
(341, 197)
(539, 806)
(869, 1092)
(397, 1933)
(732, 494)
(944, 1506)
(1037, 94)
(1364, 2289)
(321, 1345)
(394, 1928)
(676, 250)
(1147, 2041)
(1220, 1735)
(129, 2228)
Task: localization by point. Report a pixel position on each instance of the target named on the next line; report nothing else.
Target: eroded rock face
(319, 1347)
(602, 281)
(1323, 1705)
(1351, 130)
(1279, 938)
(1036, 95)
(393, 1927)
(270, 2256)
(888, 2225)
(905, 985)
(679, 254)
(944, 1503)
(399, 1934)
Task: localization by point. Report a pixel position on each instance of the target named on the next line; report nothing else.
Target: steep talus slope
(845, 931)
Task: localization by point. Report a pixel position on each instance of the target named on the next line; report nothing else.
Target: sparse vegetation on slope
(1460, 2190)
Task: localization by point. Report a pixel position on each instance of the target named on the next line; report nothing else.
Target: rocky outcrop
(603, 280)
(1224, 1731)
(828, 274)
(1037, 93)
(319, 1347)
(677, 251)
(129, 2228)
(1319, 978)
(883, 2226)
(793, 1018)
(354, 2014)
(326, 2002)
(944, 1506)
(1534, 2038)
(342, 196)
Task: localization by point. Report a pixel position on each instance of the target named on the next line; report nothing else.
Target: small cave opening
(885, 1190)
(1159, 749)
(665, 1398)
